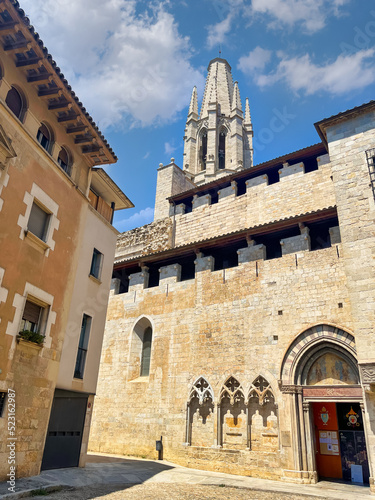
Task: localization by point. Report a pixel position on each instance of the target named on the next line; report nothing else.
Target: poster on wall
(329, 443)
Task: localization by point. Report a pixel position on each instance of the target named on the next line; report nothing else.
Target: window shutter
(31, 312)
(38, 222)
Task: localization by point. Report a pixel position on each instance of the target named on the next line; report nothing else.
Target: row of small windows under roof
(16, 102)
(225, 255)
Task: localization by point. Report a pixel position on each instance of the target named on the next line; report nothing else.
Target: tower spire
(247, 113)
(193, 108)
(236, 104)
(218, 140)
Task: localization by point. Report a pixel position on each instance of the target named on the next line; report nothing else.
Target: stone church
(240, 326)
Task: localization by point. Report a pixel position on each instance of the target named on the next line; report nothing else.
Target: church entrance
(340, 446)
(321, 376)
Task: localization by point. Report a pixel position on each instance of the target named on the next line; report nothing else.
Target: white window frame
(42, 199)
(32, 292)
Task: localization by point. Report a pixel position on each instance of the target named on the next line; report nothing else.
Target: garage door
(64, 435)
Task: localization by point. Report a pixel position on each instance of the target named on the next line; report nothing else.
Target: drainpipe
(113, 210)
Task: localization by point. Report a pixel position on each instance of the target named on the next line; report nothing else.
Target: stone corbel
(367, 371)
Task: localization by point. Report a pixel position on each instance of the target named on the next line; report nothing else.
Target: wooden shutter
(31, 312)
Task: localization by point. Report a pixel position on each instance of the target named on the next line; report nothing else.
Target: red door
(328, 457)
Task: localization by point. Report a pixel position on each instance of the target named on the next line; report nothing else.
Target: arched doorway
(320, 373)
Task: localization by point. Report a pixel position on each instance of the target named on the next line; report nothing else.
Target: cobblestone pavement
(164, 491)
(111, 477)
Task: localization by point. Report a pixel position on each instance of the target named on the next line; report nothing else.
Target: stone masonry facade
(242, 319)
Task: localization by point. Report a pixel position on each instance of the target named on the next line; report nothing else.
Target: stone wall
(296, 194)
(212, 327)
(348, 142)
(143, 240)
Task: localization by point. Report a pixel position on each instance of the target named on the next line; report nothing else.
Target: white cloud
(344, 75)
(169, 148)
(141, 218)
(217, 32)
(128, 66)
(256, 60)
(311, 14)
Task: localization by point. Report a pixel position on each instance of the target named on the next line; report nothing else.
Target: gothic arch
(313, 341)
(231, 389)
(140, 355)
(200, 414)
(261, 389)
(202, 390)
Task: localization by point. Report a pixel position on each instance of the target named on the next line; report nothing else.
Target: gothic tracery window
(262, 415)
(233, 417)
(200, 424)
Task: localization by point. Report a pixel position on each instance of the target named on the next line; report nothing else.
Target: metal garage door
(64, 435)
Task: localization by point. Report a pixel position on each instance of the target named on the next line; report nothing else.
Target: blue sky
(134, 63)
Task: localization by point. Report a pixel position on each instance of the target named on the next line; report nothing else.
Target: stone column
(302, 432)
(310, 451)
(218, 420)
(187, 433)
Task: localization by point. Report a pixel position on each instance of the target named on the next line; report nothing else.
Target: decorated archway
(320, 375)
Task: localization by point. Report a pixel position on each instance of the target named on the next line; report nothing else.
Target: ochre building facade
(240, 325)
(56, 258)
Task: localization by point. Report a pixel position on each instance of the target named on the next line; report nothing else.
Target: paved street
(114, 478)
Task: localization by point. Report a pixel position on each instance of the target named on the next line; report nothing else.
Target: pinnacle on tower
(247, 113)
(236, 104)
(193, 108)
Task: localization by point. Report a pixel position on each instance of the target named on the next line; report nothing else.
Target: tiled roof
(50, 59)
(244, 231)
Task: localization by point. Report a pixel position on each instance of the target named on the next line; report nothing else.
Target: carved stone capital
(306, 406)
(291, 389)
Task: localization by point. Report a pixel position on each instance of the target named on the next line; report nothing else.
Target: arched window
(203, 150)
(221, 152)
(16, 103)
(64, 160)
(44, 137)
(146, 352)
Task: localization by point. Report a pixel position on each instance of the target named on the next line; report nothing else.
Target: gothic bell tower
(219, 140)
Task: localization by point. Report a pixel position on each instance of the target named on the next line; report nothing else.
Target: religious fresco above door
(331, 369)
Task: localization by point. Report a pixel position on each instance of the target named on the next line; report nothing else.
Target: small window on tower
(204, 150)
(222, 150)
